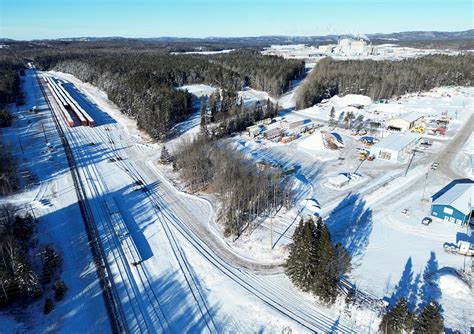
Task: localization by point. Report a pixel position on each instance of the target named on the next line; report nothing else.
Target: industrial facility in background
(359, 45)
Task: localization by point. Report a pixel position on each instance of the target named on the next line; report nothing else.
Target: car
(426, 221)
(434, 166)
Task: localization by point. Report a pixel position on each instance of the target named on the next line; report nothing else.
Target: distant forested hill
(384, 79)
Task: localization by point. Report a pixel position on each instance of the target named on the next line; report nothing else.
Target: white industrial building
(293, 124)
(406, 121)
(396, 147)
(354, 47)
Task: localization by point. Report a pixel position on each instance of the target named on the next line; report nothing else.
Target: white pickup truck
(461, 248)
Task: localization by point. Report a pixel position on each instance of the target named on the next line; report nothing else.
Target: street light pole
(424, 188)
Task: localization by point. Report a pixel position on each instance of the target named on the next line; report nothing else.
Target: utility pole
(271, 233)
(424, 188)
(21, 146)
(44, 132)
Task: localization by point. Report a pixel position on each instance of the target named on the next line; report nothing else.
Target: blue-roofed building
(455, 205)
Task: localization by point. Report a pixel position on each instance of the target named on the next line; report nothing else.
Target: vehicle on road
(434, 166)
(426, 221)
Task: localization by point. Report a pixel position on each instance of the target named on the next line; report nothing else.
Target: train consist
(72, 112)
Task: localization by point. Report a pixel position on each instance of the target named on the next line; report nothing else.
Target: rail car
(52, 85)
(71, 105)
(121, 230)
(67, 117)
(86, 119)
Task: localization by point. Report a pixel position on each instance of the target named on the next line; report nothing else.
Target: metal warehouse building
(396, 147)
(455, 205)
(406, 121)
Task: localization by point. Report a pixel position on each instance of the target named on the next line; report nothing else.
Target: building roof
(460, 197)
(412, 116)
(339, 180)
(397, 142)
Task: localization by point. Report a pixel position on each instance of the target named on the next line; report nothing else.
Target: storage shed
(406, 121)
(396, 147)
(293, 124)
(455, 205)
(272, 133)
(339, 181)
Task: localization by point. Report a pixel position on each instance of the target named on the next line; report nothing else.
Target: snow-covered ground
(203, 52)
(199, 90)
(464, 163)
(382, 52)
(182, 283)
(54, 203)
(366, 216)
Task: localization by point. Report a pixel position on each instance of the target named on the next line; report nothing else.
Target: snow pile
(251, 96)
(199, 89)
(349, 99)
(311, 205)
(389, 108)
(453, 286)
(314, 145)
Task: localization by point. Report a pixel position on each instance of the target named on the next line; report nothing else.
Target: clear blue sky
(35, 19)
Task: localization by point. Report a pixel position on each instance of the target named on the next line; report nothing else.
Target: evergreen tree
(165, 157)
(430, 319)
(314, 263)
(302, 260)
(397, 320)
(48, 306)
(332, 115)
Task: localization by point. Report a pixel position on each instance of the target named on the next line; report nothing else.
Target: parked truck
(461, 248)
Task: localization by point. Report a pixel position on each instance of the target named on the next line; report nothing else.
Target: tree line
(223, 113)
(10, 91)
(384, 79)
(245, 192)
(26, 268)
(143, 83)
(400, 319)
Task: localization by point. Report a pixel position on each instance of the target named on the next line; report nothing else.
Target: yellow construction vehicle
(418, 129)
(363, 154)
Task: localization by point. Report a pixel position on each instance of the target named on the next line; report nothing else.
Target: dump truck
(461, 248)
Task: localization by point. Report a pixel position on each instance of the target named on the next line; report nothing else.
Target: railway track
(304, 314)
(275, 296)
(183, 263)
(126, 266)
(110, 240)
(113, 305)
